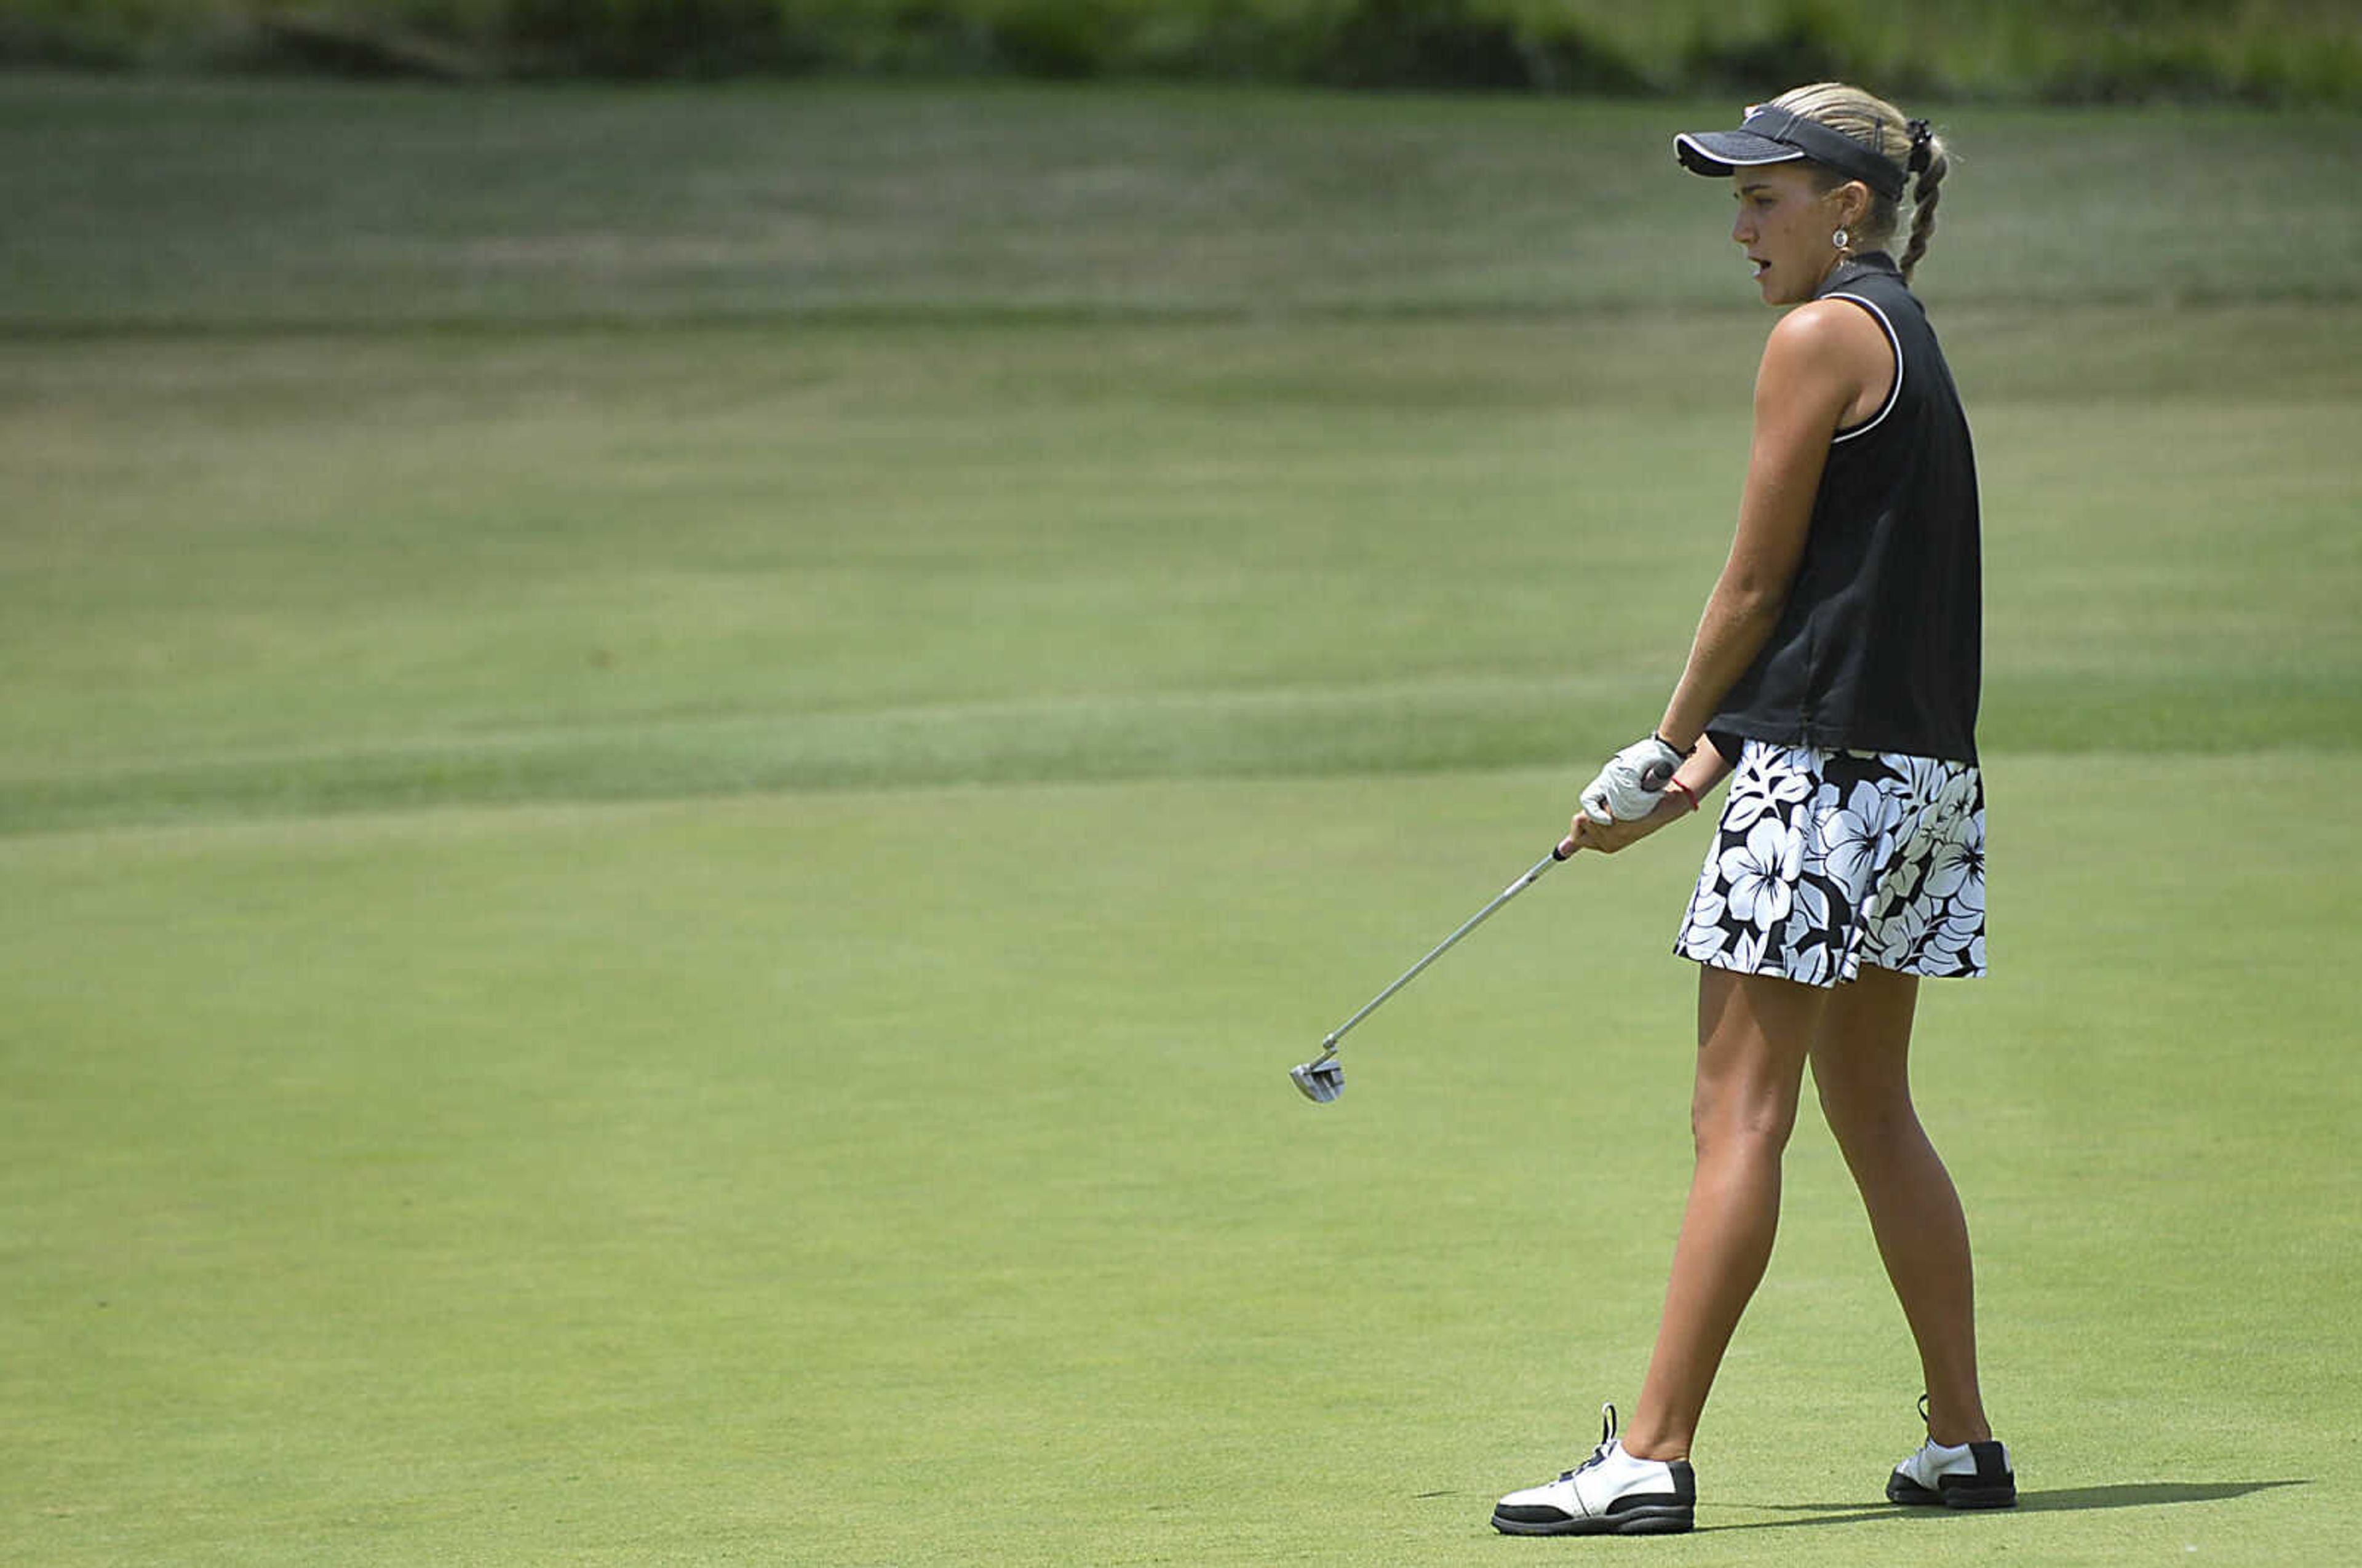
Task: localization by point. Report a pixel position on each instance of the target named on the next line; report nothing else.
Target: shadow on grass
(2072, 1499)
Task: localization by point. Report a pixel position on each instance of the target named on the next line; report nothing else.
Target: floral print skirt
(1827, 860)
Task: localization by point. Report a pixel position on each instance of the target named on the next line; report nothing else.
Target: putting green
(915, 1178)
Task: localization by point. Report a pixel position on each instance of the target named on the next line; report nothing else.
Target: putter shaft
(1328, 1046)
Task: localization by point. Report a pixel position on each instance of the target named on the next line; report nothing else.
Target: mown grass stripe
(1428, 727)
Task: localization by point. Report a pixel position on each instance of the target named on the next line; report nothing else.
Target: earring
(1842, 240)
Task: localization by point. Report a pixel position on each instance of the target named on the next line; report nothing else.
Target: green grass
(210, 206)
(700, 1184)
(599, 565)
(657, 892)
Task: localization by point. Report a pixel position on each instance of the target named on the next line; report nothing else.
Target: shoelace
(1607, 1441)
(1931, 1443)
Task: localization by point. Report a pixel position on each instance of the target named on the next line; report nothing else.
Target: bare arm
(1823, 360)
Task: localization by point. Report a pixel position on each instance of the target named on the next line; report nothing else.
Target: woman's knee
(1867, 1116)
(1760, 1113)
(1875, 1124)
(1754, 1033)
(1861, 1061)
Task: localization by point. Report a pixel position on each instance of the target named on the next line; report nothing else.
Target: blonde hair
(1879, 126)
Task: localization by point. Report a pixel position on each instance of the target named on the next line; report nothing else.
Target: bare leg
(1861, 1067)
(1754, 1032)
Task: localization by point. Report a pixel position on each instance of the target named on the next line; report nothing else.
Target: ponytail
(1929, 164)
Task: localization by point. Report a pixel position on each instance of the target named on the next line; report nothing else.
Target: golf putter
(1323, 1079)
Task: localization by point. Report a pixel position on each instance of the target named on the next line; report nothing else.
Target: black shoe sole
(1659, 1519)
(1901, 1488)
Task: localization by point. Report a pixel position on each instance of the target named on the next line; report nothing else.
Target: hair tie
(1922, 136)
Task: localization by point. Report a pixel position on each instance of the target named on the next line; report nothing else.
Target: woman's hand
(1705, 767)
(1632, 783)
(1609, 837)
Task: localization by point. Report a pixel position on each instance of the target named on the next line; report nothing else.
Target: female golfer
(1833, 678)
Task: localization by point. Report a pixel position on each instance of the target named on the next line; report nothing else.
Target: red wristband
(1687, 793)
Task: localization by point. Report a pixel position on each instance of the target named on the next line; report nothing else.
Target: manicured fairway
(663, 924)
(912, 1177)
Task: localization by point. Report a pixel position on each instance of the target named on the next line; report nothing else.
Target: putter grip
(1565, 847)
(1656, 776)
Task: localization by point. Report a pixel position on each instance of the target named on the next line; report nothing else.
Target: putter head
(1320, 1081)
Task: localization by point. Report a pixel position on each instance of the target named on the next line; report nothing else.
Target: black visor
(1782, 136)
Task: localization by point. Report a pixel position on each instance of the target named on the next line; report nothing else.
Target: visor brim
(1718, 154)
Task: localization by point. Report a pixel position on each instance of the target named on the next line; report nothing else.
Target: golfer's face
(1784, 227)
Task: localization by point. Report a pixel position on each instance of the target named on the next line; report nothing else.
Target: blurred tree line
(2271, 52)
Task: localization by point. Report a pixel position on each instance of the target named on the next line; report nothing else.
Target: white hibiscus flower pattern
(1827, 860)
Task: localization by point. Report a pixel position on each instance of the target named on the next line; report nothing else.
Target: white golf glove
(1632, 783)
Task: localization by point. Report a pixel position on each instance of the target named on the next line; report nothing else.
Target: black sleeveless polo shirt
(1879, 645)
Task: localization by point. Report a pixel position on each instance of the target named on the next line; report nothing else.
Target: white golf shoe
(1961, 1475)
(1964, 1475)
(1609, 1494)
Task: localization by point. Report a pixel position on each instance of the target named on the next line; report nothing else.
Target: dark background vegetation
(2266, 51)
